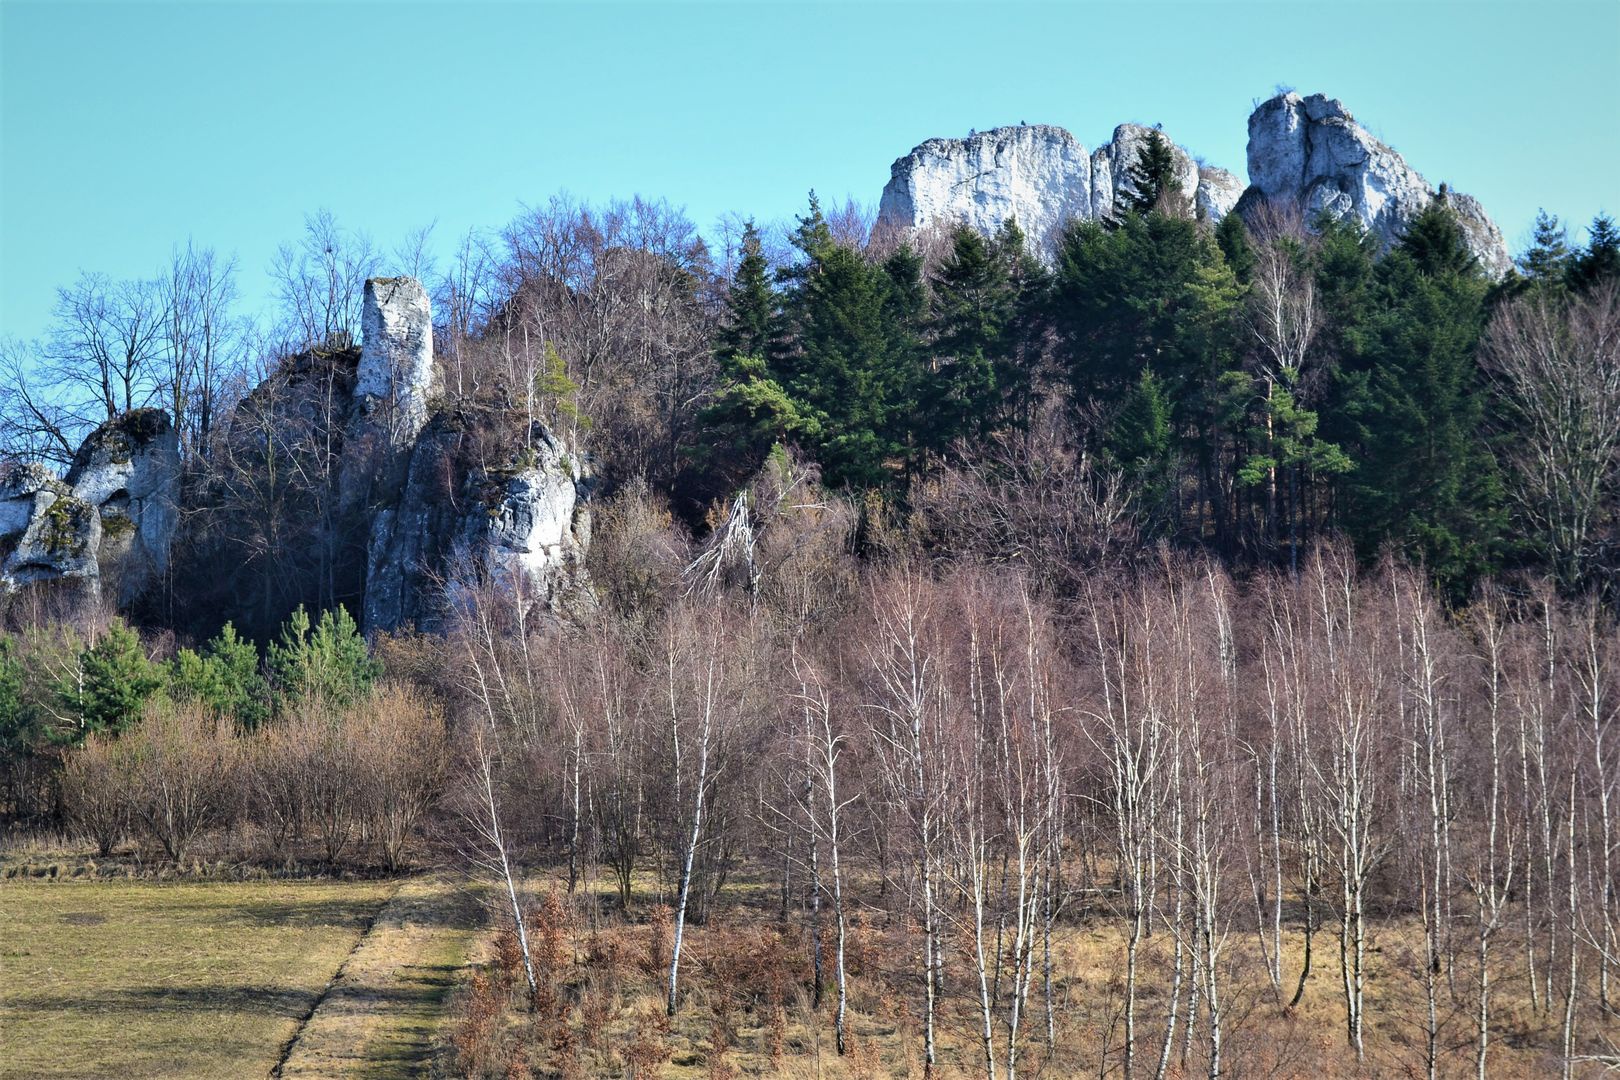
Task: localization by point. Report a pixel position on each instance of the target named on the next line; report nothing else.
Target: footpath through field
(384, 1013)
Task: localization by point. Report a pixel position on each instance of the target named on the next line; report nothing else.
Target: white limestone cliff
(1038, 174)
(1310, 152)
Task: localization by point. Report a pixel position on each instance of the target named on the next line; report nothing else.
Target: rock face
(1038, 174)
(47, 534)
(396, 379)
(129, 470)
(436, 517)
(525, 529)
(113, 518)
(1310, 152)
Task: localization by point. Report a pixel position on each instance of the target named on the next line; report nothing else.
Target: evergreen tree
(19, 723)
(1426, 480)
(1599, 261)
(1139, 443)
(1153, 294)
(224, 676)
(116, 679)
(1232, 236)
(849, 379)
(750, 306)
(329, 661)
(975, 307)
(1546, 264)
(750, 411)
(1153, 174)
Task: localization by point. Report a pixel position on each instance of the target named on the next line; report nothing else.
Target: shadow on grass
(279, 1001)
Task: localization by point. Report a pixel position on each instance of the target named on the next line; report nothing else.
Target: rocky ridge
(1304, 152)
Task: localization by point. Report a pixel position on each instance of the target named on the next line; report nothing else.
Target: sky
(127, 128)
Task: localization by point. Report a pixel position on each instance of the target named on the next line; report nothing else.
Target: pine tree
(1600, 260)
(117, 679)
(225, 677)
(329, 661)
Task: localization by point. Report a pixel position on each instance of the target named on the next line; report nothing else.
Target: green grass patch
(135, 979)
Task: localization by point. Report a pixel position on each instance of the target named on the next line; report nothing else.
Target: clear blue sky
(128, 127)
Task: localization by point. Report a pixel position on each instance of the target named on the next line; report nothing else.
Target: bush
(183, 767)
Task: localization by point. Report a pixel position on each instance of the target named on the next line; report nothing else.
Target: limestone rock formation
(525, 529)
(112, 519)
(534, 534)
(1309, 151)
(1039, 174)
(396, 379)
(47, 534)
(1218, 192)
(129, 470)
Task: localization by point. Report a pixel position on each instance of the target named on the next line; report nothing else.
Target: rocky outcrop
(525, 529)
(396, 379)
(1305, 152)
(1309, 152)
(112, 520)
(533, 534)
(1038, 174)
(1218, 192)
(1112, 188)
(129, 470)
(47, 534)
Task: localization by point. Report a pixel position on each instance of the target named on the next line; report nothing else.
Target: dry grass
(134, 979)
(746, 1010)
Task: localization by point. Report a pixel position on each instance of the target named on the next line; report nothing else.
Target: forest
(1189, 651)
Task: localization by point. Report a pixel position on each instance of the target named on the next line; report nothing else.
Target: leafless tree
(1558, 368)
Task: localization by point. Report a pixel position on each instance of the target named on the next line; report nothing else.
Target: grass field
(134, 979)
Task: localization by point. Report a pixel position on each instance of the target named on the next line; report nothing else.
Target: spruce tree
(1546, 264)
(750, 306)
(1599, 261)
(1153, 173)
(974, 310)
(1425, 479)
(750, 411)
(1232, 236)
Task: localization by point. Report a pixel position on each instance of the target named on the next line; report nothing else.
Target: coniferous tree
(1546, 264)
(327, 660)
(1153, 293)
(975, 305)
(750, 411)
(1426, 481)
(116, 680)
(1153, 174)
(1232, 236)
(225, 677)
(1599, 261)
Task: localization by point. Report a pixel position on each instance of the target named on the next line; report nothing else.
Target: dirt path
(384, 1012)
